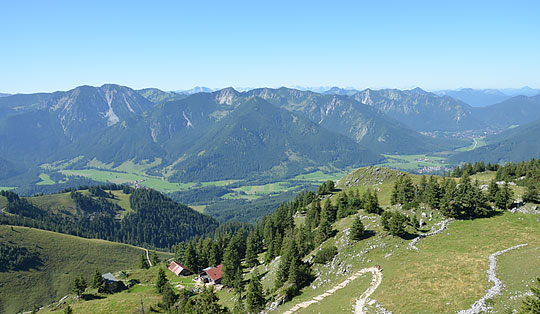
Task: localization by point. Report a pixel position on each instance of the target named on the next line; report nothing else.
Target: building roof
(176, 268)
(109, 277)
(215, 273)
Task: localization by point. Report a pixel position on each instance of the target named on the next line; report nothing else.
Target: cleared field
(320, 176)
(55, 203)
(45, 179)
(477, 142)
(412, 162)
(199, 208)
(264, 189)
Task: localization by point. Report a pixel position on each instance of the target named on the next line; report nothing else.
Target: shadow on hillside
(368, 234)
(408, 236)
(491, 214)
(88, 297)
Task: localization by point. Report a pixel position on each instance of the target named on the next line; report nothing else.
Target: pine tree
(255, 297)
(239, 307)
(531, 304)
(357, 230)
(289, 250)
(208, 302)
(330, 210)
(371, 203)
(169, 297)
(97, 281)
(493, 189)
(432, 193)
(155, 259)
(190, 258)
(232, 266)
(531, 194)
(294, 270)
(325, 228)
(179, 253)
(79, 285)
(505, 197)
(251, 250)
(144, 262)
(216, 253)
(161, 281)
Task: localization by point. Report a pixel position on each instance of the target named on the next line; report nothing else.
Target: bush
(325, 254)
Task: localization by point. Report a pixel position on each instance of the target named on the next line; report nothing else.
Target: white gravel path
(330, 292)
(375, 282)
(443, 225)
(480, 305)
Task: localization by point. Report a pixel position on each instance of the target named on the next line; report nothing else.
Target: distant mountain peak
(226, 95)
(419, 90)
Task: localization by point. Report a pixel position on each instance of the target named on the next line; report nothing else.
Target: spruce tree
(79, 285)
(97, 281)
(169, 297)
(357, 230)
(161, 281)
(325, 228)
(330, 210)
(505, 197)
(289, 250)
(179, 252)
(371, 203)
(531, 194)
(232, 267)
(294, 270)
(531, 304)
(251, 251)
(155, 259)
(255, 297)
(207, 302)
(190, 258)
(143, 263)
(432, 193)
(239, 307)
(493, 189)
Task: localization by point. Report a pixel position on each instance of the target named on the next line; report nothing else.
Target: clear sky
(57, 45)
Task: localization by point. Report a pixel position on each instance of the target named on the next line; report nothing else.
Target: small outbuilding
(178, 269)
(111, 284)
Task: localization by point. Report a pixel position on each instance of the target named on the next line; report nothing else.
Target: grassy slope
(128, 301)
(62, 202)
(55, 203)
(63, 258)
(447, 274)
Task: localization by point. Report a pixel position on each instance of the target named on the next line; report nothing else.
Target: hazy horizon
(56, 45)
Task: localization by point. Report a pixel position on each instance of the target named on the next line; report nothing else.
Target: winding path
(443, 224)
(147, 256)
(375, 282)
(480, 305)
(377, 278)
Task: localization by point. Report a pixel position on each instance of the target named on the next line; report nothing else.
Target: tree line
(156, 221)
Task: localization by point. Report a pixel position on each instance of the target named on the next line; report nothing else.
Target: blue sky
(57, 45)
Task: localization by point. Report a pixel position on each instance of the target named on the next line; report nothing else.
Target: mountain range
(230, 134)
(486, 97)
(517, 144)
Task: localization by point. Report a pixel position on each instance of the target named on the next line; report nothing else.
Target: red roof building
(214, 274)
(178, 269)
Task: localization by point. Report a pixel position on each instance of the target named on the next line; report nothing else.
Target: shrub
(325, 255)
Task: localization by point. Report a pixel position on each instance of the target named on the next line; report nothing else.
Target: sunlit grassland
(61, 258)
